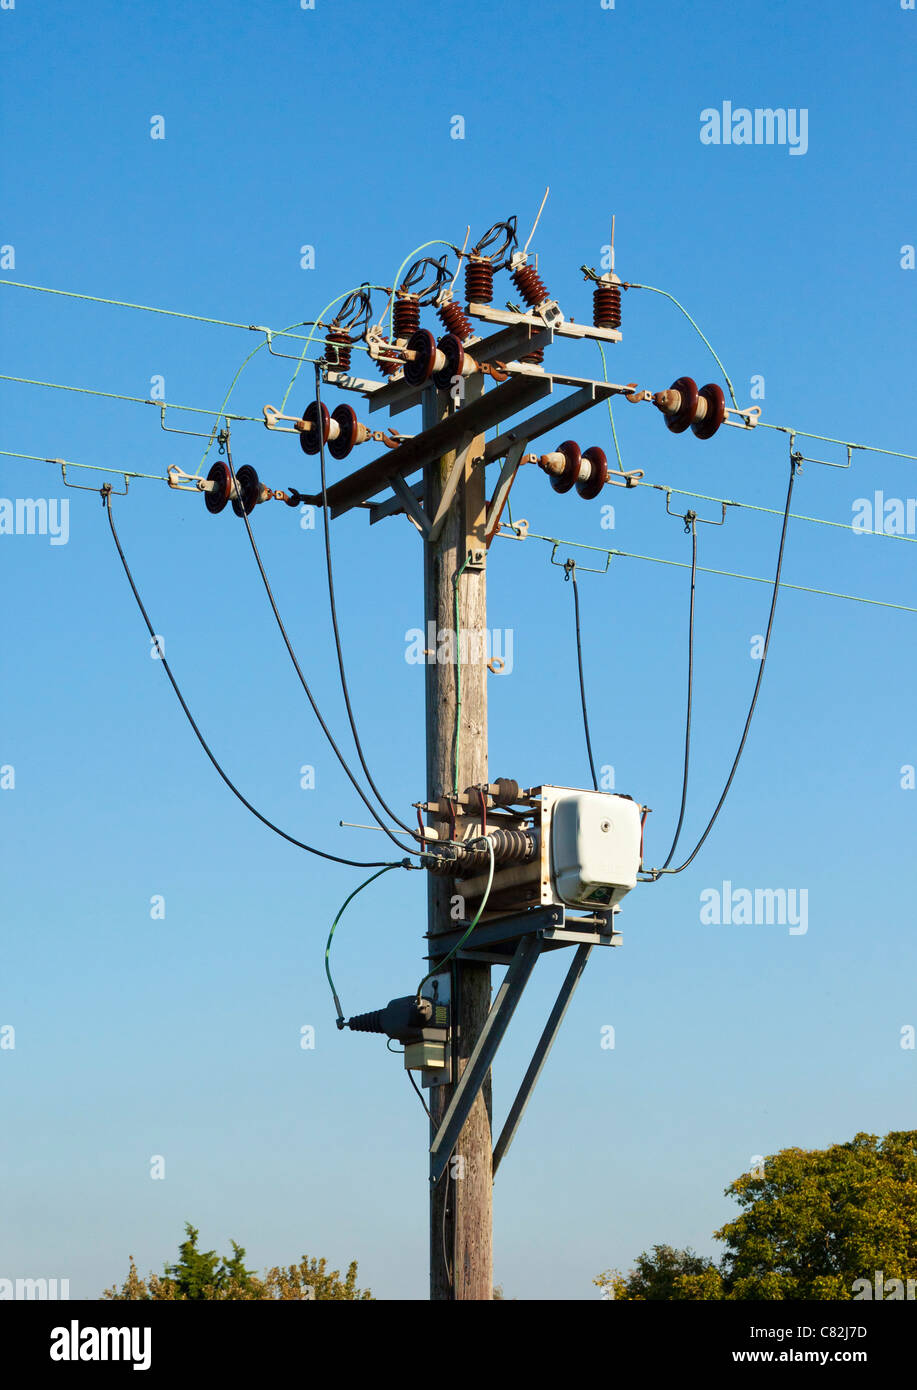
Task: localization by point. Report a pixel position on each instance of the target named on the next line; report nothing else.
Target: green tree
(813, 1222)
(200, 1274)
(200, 1270)
(655, 1276)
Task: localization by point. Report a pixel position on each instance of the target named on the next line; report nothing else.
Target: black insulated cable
(337, 635)
(655, 873)
(298, 669)
(300, 844)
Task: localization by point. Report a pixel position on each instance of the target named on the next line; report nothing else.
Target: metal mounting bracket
(529, 934)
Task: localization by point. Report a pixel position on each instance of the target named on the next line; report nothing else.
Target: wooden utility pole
(461, 1202)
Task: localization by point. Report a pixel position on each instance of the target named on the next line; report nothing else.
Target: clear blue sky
(180, 1037)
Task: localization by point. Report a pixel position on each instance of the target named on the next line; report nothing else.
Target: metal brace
(690, 518)
(586, 569)
(84, 487)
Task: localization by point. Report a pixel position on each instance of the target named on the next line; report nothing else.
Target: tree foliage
(202, 1274)
(813, 1221)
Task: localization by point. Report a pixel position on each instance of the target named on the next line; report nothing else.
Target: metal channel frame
(533, 933)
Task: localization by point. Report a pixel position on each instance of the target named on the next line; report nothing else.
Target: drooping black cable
(684, 784)
(334, 618)
(570, 568)
(420, 1095)
(654, 873)
(298, 669)
(310, 849)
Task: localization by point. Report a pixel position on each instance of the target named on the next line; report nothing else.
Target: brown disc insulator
(451, 348)
(591, 487)
(345, 418)
(529, 284)
(536, 356)
(338, 349)
(571, 452)
(249, 491)
(716, 411)
(455, 320)
(687, 389)
(406, 316)
(309, 440)
(479, 281)
(606, 306)
(420, 366)
(217, 497)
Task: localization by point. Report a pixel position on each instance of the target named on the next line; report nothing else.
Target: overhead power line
(611, 553)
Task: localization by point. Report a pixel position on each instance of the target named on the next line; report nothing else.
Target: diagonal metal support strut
(479, 1063)
(545, 1043)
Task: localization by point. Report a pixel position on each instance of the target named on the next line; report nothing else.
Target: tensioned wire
(704, 569)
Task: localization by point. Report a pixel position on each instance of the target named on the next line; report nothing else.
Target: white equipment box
(595, 847)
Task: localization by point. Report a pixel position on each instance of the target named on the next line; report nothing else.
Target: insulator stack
(536, 356)
(244, 494)
(406, 316)
(683, 406)
(529, 284)
(454, 319)
(569, 466)
(387, 366)
(606, 306)
(338, 349)
(479, 281)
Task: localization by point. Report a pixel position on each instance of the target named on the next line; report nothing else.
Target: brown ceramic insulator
(386, 365)
(591, 487)
(715, 413)
(571, 452)
(455, 320)
(687, 389)
(345, 418)
(217, 497)
(530, 285)
(479, 282)
(606, 306)
(536, 356)
(406, 317)
(309, 440)
(451, 348)
(420, 365)
(338, 349)
(249, 488)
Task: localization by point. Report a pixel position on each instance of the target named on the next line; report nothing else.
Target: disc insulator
(309, 440)
(591, 487)
(215, 499)
(687, 389)
(346, 420)
(419, 368)
(451, 348)
(249, 490)
(563, 482)
(716, 411)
